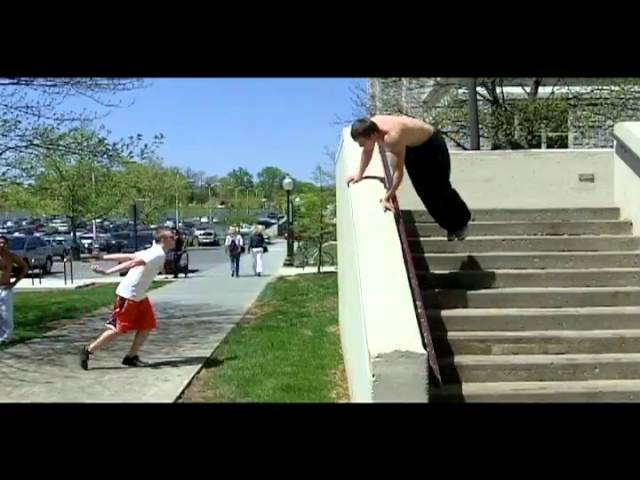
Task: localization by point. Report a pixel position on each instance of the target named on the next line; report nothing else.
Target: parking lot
(200, 259)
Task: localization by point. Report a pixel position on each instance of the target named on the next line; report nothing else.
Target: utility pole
(474, 126)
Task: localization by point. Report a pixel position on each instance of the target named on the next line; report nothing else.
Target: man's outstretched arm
(365, 160)
(136, 262)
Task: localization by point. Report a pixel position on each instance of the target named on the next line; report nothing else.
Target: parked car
(33, 250)
(60, 247)
(206, 237)
(145, 240)
(87, 241)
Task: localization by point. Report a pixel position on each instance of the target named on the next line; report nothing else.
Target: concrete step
(536, 342)
(533, 297)
(571, 391)
(524, 319)
(527, 215)
(475, 280)
(480, 229)
(539, 368)
(523, 244)
(525, 260)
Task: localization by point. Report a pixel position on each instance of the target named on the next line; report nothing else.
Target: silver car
(33, 250)
(60, 246)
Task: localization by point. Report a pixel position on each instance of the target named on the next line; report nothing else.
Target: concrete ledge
(377, 313)
(400, 377)
(627, 171)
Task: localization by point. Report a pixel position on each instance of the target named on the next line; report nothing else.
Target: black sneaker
(84, 358)
(133, 361)
(462, 233)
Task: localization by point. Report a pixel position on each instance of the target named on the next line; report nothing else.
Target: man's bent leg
(138, 342)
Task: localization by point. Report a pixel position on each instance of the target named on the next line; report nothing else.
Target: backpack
(234, 249)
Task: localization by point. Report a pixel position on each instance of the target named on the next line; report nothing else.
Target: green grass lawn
(286, 349)
(39, 312)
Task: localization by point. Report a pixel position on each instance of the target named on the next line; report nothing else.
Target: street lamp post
(474, 126)
(209, 188)
(287, 185)
(177, 203)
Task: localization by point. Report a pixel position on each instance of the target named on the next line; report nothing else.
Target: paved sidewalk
(194, 315)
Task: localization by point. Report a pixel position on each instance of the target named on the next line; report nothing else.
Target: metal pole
(177, 212)
(248, 201)
(209, 218)
(474, 126)
(135, 226)
(289, 260)
(93, 181)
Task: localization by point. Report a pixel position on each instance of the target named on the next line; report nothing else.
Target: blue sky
(216, 125)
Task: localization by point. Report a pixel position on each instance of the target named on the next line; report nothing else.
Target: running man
(7, 263)
(423, 150)
(132, 310)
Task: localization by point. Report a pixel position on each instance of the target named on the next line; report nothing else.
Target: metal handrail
(421, 313)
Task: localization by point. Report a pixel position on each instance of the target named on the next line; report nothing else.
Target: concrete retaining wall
(528, 179)
(627, 172)
(378, 325)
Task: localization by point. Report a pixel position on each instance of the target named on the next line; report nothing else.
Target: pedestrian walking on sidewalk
(233, 246)
(258, 248)
(132, 310)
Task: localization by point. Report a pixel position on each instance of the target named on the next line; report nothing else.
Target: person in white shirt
(132, 310)
(233, 245)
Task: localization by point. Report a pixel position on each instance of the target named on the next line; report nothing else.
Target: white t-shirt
(135, 284)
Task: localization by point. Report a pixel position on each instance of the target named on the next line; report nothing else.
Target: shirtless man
(423, 150)
(7, 261)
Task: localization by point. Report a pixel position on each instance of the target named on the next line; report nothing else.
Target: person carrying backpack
(233, 245)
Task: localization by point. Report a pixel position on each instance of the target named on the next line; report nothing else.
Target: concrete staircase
(536, 305)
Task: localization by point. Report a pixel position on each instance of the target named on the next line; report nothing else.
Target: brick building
(422, 97)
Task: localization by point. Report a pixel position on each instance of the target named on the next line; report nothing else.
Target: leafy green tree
(270, 181)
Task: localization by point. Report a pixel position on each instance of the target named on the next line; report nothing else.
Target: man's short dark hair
(6, 239)
(364, 127)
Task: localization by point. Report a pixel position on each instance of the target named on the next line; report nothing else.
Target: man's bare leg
(103, 340)
(138, 341)
(107, 337)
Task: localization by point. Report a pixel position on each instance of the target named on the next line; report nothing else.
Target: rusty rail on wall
(421, 313)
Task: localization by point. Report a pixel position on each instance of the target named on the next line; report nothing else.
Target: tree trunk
(535, 87)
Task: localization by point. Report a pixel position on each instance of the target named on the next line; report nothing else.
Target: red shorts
(130, 315)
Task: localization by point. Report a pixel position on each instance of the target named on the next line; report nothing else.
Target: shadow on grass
(216, 362)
